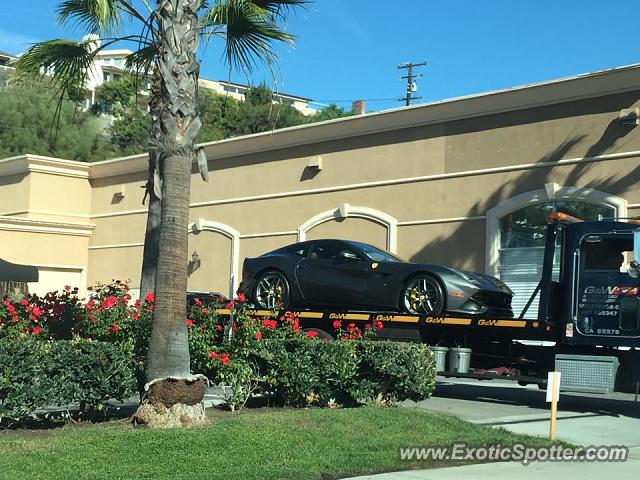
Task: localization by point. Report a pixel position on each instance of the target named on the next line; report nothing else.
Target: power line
(411, 84)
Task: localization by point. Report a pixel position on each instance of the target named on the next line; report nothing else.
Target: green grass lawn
(263, 444)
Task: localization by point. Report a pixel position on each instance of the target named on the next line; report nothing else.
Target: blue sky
(350, 49)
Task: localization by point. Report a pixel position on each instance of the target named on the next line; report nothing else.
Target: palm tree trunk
(153, 187)
(151, 244)
(168, 356)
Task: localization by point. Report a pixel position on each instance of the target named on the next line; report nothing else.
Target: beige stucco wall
(214, 250)
(14, 192)
(432, 171)
(436, 180)
(45, 205)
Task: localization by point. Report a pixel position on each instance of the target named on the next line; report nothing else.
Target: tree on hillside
(258, 113)
(219, 114)
(124, 93)
(26, 118)
(329, 113)
(168, 43)
(124, 99)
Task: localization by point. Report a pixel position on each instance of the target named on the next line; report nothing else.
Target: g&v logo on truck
(612, 290)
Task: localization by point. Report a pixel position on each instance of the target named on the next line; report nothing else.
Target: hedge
(315, 372)
(35, 374)
(52, 354)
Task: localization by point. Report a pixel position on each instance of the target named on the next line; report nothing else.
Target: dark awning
(12, 272)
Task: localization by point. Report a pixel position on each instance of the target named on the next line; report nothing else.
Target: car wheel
(272, 291)
(422, 295)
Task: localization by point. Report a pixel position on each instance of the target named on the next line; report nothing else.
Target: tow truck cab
(594, 300)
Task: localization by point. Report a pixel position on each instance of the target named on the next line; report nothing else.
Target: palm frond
(140, 65)
(65, 61)
(249, 28)
(96, 16)
(280, 7)
(101, 16)
(138, 61)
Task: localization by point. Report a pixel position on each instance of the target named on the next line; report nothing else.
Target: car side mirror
(347, 255)
(634, 267)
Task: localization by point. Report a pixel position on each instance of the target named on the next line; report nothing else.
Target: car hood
(465, 277)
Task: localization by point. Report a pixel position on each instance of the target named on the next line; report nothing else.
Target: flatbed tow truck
(587, 327)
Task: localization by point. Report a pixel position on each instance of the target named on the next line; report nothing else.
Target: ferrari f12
(352, 275)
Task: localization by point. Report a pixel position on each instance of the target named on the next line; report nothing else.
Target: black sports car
(356, 276)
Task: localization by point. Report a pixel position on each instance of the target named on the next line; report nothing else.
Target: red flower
(115, 328)
(351, 326)
(14, 319)
(24, 302)
(36, 330)
(296, 327)
(11, 309)
(367, 326)
(137, 304)
(271, 324)
(109, 302)
(67, 288)
(225, 358)
(213, 355)
(337, 324)
(219, 328)
(189, 323)
(230, 305)
(197, 301)
(379, 325)
(312, 334)
(241, 297)
(150, 298)
(90, 305)
(135, 316)
(258, 336)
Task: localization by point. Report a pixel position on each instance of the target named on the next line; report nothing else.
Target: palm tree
(165, 47)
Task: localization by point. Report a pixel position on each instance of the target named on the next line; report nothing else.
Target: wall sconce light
(194, 263)
(120, 191)
(315, 164)
(629, 117)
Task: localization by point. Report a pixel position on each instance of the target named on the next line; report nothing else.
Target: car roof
(309, 242)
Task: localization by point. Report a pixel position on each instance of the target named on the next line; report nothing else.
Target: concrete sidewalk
(497, 471)
(586, 420)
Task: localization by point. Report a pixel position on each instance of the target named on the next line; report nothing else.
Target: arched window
(352, 211)
(232, 234)
(515, 234)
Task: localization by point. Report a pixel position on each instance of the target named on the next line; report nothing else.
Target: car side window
(325, 251)
(298, 250)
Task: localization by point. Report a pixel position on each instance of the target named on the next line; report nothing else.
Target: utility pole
(410, 77)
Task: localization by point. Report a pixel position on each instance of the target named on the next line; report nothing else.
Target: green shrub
(305, 372)
(37, 373)
(396, 371)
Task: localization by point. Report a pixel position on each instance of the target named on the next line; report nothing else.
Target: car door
(333, 274)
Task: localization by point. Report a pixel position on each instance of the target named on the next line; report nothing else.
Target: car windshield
(376, 254)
